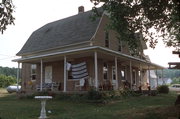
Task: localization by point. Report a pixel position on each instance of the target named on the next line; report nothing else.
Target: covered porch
(105, 70)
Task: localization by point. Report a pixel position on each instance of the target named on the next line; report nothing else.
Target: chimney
(81, 9)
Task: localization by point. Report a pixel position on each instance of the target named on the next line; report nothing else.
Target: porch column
(149, 76)
(116, 73)
(130, 66)
(140, 75)
(65, 73)
(162, 77)
(157, 78)
(18, 71)
(41, 75)
(96, 70)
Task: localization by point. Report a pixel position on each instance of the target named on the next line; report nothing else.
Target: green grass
(143, 107)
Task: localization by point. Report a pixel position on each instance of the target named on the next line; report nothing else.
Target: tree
(128, 17)
(6, 14)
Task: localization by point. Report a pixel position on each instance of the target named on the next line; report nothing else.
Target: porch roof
(90, 49)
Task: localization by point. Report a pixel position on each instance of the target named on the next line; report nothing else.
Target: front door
(48, 74)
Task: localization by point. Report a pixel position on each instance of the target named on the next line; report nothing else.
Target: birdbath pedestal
(43, 105)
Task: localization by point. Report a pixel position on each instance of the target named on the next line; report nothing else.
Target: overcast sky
(32, 14)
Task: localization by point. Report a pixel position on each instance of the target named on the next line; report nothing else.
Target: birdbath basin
(43, 105)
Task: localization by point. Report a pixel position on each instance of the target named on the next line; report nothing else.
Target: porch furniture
(43, 105)
(80, 83)
(49, 86)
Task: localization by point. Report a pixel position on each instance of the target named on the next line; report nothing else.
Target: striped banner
(79, 71)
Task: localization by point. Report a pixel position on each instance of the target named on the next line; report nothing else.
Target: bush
(94, 95)
(6, 81)
(163, 89)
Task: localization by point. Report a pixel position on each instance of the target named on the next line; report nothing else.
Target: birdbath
(43, 105)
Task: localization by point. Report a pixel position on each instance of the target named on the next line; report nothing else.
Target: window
(33, 71)
(134, 76)
(123, 75)
(106, 39)
(113, 73)
(105, 71)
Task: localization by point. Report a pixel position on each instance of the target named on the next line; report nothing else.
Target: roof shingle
(74, 29)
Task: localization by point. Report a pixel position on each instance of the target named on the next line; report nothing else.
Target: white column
(96, 70)
(41, 75)
(162, 77)
(149, 76)
(116, 73)
(157, 77)
(139, 73)
(130, 66)
(65, 72)
(18, 70)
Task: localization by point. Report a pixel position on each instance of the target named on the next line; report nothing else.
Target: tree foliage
(6, 14)
(128, 17)
(169, 73)
(6, 81)
(8, 71)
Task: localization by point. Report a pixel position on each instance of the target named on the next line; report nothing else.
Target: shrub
(163, 89)
(94, 95)
(6, 81)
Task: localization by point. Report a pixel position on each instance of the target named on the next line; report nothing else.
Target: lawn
(142, 107)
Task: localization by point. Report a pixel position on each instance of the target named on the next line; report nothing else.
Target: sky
(33, 14)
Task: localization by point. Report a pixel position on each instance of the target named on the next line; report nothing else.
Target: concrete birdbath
(43, 105)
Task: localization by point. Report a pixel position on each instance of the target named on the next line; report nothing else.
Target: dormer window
(107, 39)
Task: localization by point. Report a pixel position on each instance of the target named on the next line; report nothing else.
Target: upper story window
(33, 71)
(106, 39)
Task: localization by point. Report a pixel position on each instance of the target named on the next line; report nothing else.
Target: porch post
(41, 75)
(18, 77)
(149, 76)
(130, 66)
(140, 76)
(116, 73)
(65, 72)
(162, 76)
(157, 77)
(96, 70)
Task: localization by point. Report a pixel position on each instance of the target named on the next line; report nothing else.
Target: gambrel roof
(74, 29)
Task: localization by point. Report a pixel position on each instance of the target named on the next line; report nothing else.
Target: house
(76, 53)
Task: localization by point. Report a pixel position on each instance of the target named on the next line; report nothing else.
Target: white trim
(97, 28)
(65, 73)
(89, 48)
(50, 49)
(18, 76)
(96, 70)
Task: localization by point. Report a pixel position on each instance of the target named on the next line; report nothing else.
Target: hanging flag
(79, 71)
